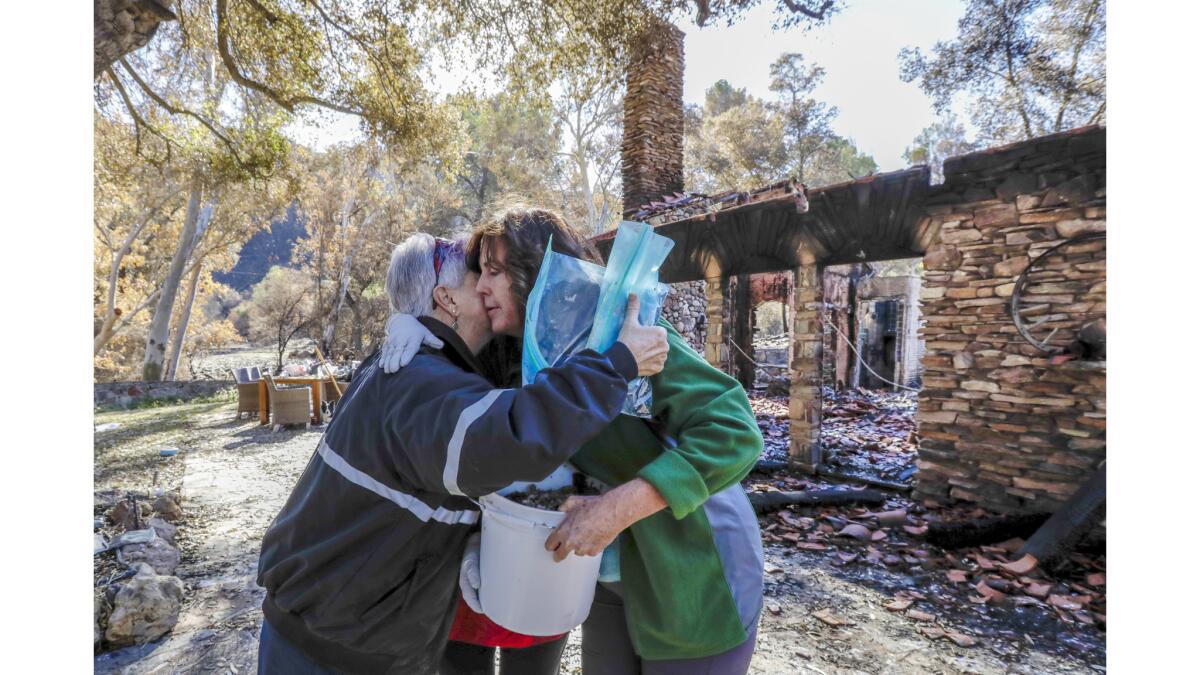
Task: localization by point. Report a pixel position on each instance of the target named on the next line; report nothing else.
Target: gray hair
(411, 278)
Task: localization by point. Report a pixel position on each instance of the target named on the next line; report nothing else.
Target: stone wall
(111, 395)
(684, 308)
(999, 424)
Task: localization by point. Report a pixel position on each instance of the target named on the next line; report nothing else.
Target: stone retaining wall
(684, 308)
(110, 395)
(999, 424)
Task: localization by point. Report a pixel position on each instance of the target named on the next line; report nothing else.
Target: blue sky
(858, 50)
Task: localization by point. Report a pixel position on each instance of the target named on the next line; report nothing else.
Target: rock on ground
(145, 608)
(100, 611)
(163, 529)
(158, 554)
(167, 507)
(122, 514)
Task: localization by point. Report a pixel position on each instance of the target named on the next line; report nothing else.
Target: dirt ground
(235, 475)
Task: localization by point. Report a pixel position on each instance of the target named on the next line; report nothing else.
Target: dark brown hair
(524, 231)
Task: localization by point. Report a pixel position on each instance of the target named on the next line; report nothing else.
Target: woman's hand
(592, 523)
(648, 344)
(405, 335)
(590, 526)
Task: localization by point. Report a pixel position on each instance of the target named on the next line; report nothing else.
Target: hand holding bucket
(522, 587)
(590, 526)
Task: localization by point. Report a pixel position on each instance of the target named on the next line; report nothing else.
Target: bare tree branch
(175, 110)
(288, 104)
(138, 120)
(270, 16)
(818, 14)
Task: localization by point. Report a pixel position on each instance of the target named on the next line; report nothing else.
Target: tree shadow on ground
(264, 437)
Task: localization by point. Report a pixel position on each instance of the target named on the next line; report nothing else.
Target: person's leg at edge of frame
(277, 656)
(607, 649)
(736, 661)
(461, 658)
(543, 659)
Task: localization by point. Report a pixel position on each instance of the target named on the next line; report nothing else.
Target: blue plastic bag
(576, 305)
(559, 311)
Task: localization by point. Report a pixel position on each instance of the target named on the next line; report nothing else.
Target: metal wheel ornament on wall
(1032, 317)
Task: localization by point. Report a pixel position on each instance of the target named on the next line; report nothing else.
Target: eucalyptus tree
(589, 112)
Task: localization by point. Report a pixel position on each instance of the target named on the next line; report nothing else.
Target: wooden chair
(247, 387)
(289, 405)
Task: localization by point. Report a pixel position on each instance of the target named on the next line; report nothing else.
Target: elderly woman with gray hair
(361, 566)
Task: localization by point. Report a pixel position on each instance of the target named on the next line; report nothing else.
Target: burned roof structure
(877, 217)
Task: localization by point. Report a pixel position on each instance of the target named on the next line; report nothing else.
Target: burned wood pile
(864, 433)
(891, 539)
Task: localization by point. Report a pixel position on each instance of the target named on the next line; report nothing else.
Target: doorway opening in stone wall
(764, 326)
(771, 341)
(871, 369)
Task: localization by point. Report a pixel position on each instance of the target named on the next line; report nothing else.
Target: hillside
(272, 246)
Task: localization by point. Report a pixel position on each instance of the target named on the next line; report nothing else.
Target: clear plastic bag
(576, 305)
(559, 311)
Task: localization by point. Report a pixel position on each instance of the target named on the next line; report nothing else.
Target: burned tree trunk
(1055, 540)
(983, 531)
(765, 502)
(741, 331)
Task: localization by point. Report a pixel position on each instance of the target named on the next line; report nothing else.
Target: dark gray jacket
(361, 565)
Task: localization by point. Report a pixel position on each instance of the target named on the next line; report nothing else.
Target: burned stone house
(971, 290)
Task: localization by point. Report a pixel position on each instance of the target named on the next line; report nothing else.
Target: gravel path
(235, 477)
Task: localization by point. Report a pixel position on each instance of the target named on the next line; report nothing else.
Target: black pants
(277, 656)
(467, 659)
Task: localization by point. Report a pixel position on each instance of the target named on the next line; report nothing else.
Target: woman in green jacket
(681, 589)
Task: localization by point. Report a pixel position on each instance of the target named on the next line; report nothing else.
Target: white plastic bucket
(522, 588)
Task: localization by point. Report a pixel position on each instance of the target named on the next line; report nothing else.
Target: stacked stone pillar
(652, 145)
(804, 408)
(716, 350)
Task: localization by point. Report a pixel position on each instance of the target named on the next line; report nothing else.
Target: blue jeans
(277, 656)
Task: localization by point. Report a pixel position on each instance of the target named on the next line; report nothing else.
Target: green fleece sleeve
(709, 416)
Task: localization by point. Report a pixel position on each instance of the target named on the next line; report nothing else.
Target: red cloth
(477, 629)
